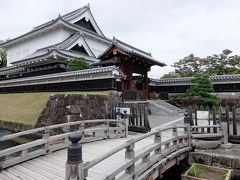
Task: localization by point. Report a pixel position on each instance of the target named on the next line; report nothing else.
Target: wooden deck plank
(42, 171)
(51, 161)
(10, 175)
(47, 168)
(19, 174)
(57, 159)
(50, 166)
(4, 177)
(30, 172)
(53, 165)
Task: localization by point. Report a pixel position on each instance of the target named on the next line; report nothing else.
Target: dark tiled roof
(68, 42)
(72, 15)
(66, 74)
(54, 23)
(132, 50)
(71, 40)
(10, 69)
(106, 62)
(60, 47)
(50, 52)
(66, 17)
(187, 80)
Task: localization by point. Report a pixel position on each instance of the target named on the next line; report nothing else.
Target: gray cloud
(170, 29)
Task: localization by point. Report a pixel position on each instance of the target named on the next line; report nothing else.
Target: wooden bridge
(112, 154)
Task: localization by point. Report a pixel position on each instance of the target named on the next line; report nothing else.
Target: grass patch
(25, 108)
(223, 175)
(197, 169)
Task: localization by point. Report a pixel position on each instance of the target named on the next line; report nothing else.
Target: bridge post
(224, 123)
(187, 121)
(158, 140)
(125, 122)
(46, 135)
(81, 129)
(107, 131)
(74, 165)
(175, 134)
(129, 154)
(158, 151)
(176, 142)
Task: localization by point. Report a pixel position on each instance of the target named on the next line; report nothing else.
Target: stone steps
(159, 106)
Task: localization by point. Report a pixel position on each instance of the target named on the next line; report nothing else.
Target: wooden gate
(138, 117)
(134, 95)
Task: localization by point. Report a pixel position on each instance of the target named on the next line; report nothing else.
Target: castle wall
(23, 49)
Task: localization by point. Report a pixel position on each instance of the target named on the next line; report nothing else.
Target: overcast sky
(169, 29)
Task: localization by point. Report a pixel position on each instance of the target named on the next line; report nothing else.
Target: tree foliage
(216, 64)
(170, 75)
(202, 88)
(3, 58)
(199, 93)
(77, 64)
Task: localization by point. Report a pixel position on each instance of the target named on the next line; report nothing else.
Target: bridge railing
(220, 118)
(55, 137)
(138, 163)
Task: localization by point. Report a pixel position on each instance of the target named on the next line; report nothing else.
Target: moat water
(6, 144)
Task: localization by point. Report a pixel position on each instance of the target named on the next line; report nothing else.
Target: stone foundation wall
(62, 108)
(14, 126)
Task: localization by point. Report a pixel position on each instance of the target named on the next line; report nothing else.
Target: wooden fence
(138, 117)
(134, 95)
(216, 115)
(55, 137)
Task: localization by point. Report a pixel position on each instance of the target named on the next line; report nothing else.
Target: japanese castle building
(37, 60)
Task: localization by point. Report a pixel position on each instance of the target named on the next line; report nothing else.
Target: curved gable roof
(65, 18)
(57, 22)
(130, 50)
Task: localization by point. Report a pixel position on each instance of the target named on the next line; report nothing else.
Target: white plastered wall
(97, 46)
(24, 48)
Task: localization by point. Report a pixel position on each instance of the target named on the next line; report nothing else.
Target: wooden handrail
(50, 143)
(90, 164)
(36, 130)
(207, 126)
(178, 143)
(156, 154)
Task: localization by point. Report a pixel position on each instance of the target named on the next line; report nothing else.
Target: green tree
(77, 64)
(220, 64)
(3, 58)
(216, 64)
(201, 89)
(170, 75)
(188, 66)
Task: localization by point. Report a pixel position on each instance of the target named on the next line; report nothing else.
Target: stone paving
(157, 120)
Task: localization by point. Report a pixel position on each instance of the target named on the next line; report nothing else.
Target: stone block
(226, 146)
(77, 106)
(237, 164)
(73, 109)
